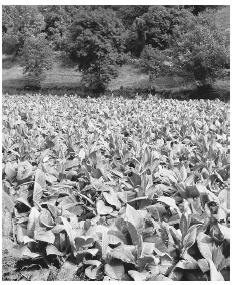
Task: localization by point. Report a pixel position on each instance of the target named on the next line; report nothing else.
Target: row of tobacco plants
(115, 189)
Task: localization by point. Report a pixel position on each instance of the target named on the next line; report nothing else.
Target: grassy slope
(129, 76)
(59, 76)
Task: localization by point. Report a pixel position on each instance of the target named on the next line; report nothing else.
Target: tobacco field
(115, 189)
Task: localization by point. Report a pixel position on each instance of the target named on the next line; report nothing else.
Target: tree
(160, 23)
(199, 49)
(128, 14)
(155, 28)
(37, 57)
(19, 22)
(95, 41)
(57, 19)
(154, 62)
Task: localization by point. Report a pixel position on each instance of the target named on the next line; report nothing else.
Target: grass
(62, 78)
(129, 77)
(59, 76)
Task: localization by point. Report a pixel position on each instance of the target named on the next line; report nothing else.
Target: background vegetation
(94, 46)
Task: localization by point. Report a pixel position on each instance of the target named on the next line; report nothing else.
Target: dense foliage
(37, 57)
(194, 39)
(95, 41)
(19, 23)
(93, 189)
(198, 48)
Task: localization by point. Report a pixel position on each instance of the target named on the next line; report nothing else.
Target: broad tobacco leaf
(83, 241)
(39, 186)
(46, 219)
(133, 216)
(102, 209)
(139, 276)
(67, 271)
(112, 199)
(24, 171)
(52, 250)
(114, 269)
(11, 170)
(32, 221)
(70, 233)
(46, 236)
(190, 238)
(170, 202)
(92, 271)
(123, 253)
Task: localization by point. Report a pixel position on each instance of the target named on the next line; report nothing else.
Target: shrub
(37, 57)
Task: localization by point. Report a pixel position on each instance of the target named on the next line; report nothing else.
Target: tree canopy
(97, 39)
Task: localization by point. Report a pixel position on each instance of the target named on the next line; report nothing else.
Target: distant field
(129, 77)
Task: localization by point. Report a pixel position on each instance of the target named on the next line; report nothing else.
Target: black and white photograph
(115, 142)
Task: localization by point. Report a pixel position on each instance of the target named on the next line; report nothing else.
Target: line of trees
(183, 40)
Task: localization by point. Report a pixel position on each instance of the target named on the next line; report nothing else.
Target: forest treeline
(191, 41)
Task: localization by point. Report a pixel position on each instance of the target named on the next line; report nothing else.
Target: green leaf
(24, 171)
(52, 250)
(112, 199)
(215, 275)
(114, 269)
(116, 237)
(82, 154)
(183, 225)
(40, 178)
(46, 236)
(39, 186)
(123, 253)
(21, 232)
(184, 264)
(23, 201)
(7, 202)
(148, 248)
(27, 239)
(170, 202)
(133, 217)
(83, 241)
(205, 245)
(25, 251)
(37, 193)
(89, 251)
(203, 265)
(139, 276)
(225, 231)
(32, 221)
(102, 209)
(67, 272)
(91, 272)
(190, 238)
(40, 275)
(70, 233)
(10, 170)
(183, 173)
(46, 218)
(159, 277)
(224, 198)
